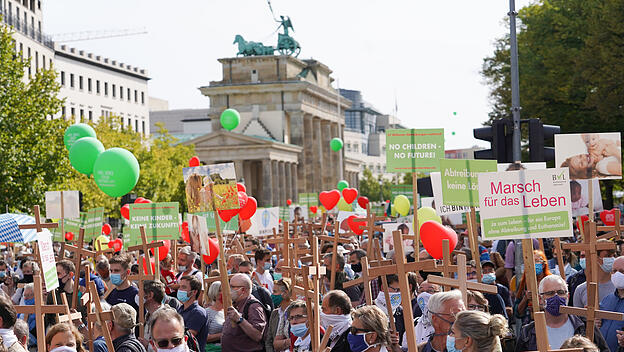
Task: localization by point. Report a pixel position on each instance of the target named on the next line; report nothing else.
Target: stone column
(328, 158)
(239, 169)
(306, 169)
(297, 128)
(275, 183)
(337, 156)
(281, 182)
(295, 189)
(317, 142)
(267, 191)
(288, 182)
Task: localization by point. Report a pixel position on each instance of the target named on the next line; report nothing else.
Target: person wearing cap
(489, 277)
(121, 329)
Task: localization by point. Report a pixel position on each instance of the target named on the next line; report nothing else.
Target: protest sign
(579, 196)
(93, 223)
(198, 233)
(71, 205)
(298, 211)
(414, 150)
(405, 190)
(159, 219)
(459, 180)
(70, 225)
(388, 241)
(527, 166)
(48, 264)
(210, 187)
(264, 221)
(440, 207)
(307, 200)
(231, 225)
(590, 155)
(525, 204)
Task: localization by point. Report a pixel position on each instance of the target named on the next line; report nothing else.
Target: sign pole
(415, 225)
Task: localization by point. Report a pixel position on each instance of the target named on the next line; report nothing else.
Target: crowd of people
(184, 310)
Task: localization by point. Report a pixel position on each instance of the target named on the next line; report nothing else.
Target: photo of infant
(590, 155)
(579, 197)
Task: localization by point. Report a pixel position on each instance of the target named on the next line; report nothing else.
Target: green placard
(414, 150)
(284, 213)
(308, 199)
(405, 190)
(231, 225)
(526, 224)
(161, 222)
(460, 180)
(71, 225)
(93, 223)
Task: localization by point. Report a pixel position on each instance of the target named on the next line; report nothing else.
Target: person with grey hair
(167, 328)
(21, 332)
(553, 293)
(477, 331)
(154, 299)
(369, 330)
(102, 267)
(186, 258)
(246, 320)
(442, 308)
(214, 316)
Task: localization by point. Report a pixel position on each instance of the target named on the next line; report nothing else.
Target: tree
(33, 158)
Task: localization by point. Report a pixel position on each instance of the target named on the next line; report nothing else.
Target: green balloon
(116, 172)
(342, 184)
(83, 154)
(336, 144)
(75, 132)
(230, 119)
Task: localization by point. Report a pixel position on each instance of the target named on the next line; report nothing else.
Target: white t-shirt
(557, 336)
(265, 280)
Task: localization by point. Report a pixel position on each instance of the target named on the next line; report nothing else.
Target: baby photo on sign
(579, 197)
(210, 187)
(590, 155)
(198, 234)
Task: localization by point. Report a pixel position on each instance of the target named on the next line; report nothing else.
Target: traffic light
(500, 137)
(538, 133)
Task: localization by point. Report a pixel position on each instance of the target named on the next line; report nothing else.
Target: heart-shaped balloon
(349, 194)
(242, 199)
(213, 250)
(608, 217)
(184, 230)
(125, 211)
(432, 234)
(581, 222)
(162, 250)
(106, 229)
(241, 187)
(227, 215)
(245, 224)
(329, 199)
(116, 245)
(313, 209)
(288, 201)
(363, 202)
(194, 161)
(356, 227)
(69, 236)
(249, 209)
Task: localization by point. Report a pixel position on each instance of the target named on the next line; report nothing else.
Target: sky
(424, 55)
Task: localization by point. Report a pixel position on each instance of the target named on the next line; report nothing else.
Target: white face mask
(618, 280)
(179, 348)
(63, 349)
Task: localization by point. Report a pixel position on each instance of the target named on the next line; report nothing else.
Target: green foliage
(371, 187)
(33, 158)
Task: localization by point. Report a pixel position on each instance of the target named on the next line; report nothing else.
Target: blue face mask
(2, 274)
(183, 296)
(607, 264)
(299, 330)
(267, 265)
(116, 279)
(277, 300)
(277, 276)
(29, 302)
(489, 278)
(539, 269)
(450, 344)
(358, 343)
(582, 263)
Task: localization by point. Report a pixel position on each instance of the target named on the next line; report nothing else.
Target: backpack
(267, 315)
(191, 341)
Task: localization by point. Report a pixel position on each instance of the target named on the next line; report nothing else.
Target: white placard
(71, 204)
(579, 197)
(441, 209)
(198, 233)
(301, 210)
(264, 221)
(388, 240)
(48, 264)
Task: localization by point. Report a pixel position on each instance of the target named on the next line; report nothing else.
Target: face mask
(335, 320)
(80, 295)
(28, 278)
(358, 342)
(539, 269)
(182, 268)
(357, 267)
(2, 274)
(395, 299)
(553, 304)
(229, 272)
(116, 279)
(489, 278)
(29, 302)
(179, 348)
(63, 349)
(618, 280)
(450, 344)
(607, 264)
(183, 296)
(277, 276)
(277, 300)
(234, 293)
(267, 266)
(582, 263)
(299, 330)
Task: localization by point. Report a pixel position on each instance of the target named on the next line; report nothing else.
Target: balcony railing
(22, 26)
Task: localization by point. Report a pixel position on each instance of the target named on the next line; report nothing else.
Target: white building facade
(91, 85)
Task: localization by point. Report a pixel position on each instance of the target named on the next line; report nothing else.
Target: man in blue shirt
(193, 314)
(614, 302)
(123, 292)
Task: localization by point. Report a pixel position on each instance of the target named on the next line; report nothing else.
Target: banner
(160, 220)
(441, 208)
(414, 150)
(405, 190)
(525, 204)
(48, 264)
(71, 205)
(230, 226)
(264, 221)
(459, 180)
(70, 225)
(590, 155)
(93, 224)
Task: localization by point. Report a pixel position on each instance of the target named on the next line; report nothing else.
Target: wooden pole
(474, 242)
(408, 315)
(225, 283)
(416, 227)
(590, 190)
(62, 217)
(559, 257)
(529, 272)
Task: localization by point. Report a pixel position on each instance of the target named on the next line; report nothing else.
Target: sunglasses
(355, 331)
(175, 341)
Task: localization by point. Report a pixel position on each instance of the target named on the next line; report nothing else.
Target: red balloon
(162, 250)
(144, 264)
(356, 227)
(241, 187)
(581, 222)
(116, 245)
(249, 209)
(125, 211)
(608, 217)
(329, 199)
(242, 199)
(194, 161)
(106, 229)
(214, 251)
(349, 195)
(363, 202)
(142, 200)
(227, 215)
(69, 236)
(313, 209)
(288, 201)
(432, 233)
(185, 232)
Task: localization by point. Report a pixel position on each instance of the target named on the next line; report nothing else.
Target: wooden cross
(591, 313)
(591, 248)
(559, 253)
(40, 309)
(370, 226)
(315, 271)
(79, 252)
(542, 336)
(529, 273)
(474, 242)
(145, 247)
(335, 240)
(612, 231)
(38, 226)
(101, 317)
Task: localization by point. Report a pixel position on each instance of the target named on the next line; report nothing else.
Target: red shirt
(170, 279)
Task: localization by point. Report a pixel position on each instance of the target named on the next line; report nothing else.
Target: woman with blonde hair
(63, 337)
(476, 331)
(369, 330)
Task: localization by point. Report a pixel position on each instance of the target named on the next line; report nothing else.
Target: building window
(80, 85)
(129, 123)
(63, 78)
(120, 92)
(136, 125)
(114, 90)
(143, 127)
(89, 84)
(43, 61)
(63, 112)
(36, 61)
(90, 115)
(105, 88)
(73, 113)
(29, 71)
(97, 86)
(136, 96)
(81, 114)
(128, 95)
(143, 98)
(71, 80)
